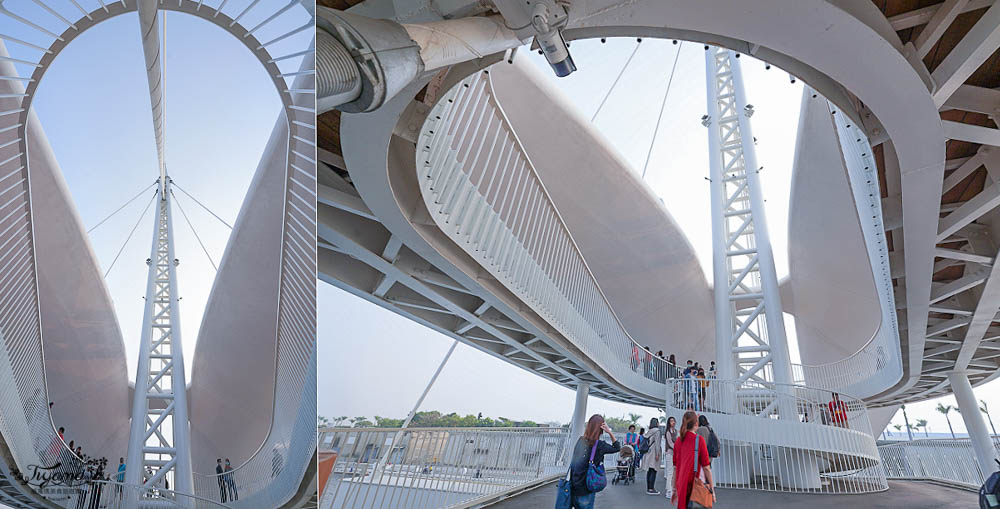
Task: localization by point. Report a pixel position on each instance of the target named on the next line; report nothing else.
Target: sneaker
(652, 492)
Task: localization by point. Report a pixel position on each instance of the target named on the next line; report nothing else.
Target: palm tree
(946, 409)
(986, 410)
(634, 418)
(898, 427)
(922, 423)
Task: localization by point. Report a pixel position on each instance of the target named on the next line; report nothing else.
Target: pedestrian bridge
(469, 467)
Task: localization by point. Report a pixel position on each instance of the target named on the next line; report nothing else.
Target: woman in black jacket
(581, 497)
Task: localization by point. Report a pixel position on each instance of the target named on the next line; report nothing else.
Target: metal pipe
(982, 444)
(364, 62)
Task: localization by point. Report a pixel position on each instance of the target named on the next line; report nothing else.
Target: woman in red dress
(684, 468)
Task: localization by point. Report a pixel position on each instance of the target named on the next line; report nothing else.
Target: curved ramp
(784, 438)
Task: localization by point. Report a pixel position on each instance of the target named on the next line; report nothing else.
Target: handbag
(701, 495)
(563, 498)
(596, 479)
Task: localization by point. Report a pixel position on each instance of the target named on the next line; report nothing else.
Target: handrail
(783, 437)
(127, 496)
(436, 467)
(299, 119)
(566, 272)
(876, 366)
(943, 460)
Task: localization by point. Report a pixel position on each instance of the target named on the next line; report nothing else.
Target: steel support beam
(977, 45)
(936, 26)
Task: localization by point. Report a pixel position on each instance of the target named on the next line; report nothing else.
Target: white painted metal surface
(943, 460)
(290, 436)
(861, 357)
(436, 467)
(159, 442)
(816, 445)
(749, 325)
(482, 190)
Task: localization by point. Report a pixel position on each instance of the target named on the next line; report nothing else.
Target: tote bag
(563, 498)
(596, 479)
(701, 496)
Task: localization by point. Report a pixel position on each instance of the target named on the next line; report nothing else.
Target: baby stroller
(625, 467)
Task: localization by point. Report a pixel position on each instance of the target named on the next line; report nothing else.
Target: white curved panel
(232, 371)
(830, 275)
(82, 344)
(640, 257)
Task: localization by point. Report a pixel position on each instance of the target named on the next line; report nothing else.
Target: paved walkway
(911, 495)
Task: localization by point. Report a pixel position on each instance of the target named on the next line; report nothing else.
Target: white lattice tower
(159, 440)
(750, 333)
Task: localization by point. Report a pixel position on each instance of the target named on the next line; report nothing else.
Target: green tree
(922, 423)
(634, 418)
(322, 422)
(385, 422)
(618, 423)
(946, 409)
(361, 422)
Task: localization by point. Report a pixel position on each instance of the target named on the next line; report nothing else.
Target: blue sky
(93, 104)
(399, 356)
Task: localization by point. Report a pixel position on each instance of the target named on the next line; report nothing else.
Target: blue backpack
(989, 493)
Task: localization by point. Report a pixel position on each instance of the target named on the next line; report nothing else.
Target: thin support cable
(129, 236)
(188, 221)
(613, 85)
(662, 106)
(174, 184)
(92, 228)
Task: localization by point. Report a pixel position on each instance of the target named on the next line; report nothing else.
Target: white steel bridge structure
(450, 202)
(250, 387)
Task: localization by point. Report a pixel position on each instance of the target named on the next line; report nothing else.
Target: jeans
(651, 479)
(222, 490)
(582, 501)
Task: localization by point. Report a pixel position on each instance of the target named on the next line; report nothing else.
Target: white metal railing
(790, 438)
(877, 365)
(435, 467)
(483, 192)
(274, 31)
(943, 460)
(113, 495)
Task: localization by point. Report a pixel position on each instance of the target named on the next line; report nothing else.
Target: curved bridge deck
(916, 495)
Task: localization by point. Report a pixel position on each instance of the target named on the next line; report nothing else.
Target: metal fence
(42, 29)
(483, 191)
(943, 460)
(784, 438)
(435, 467)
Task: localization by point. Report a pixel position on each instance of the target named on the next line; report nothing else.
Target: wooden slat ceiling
(988, 75)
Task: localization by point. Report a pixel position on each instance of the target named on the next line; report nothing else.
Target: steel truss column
(982, 444)
(750, 331)
(159, 438)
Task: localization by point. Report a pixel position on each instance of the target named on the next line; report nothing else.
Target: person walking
(589, 446)
(234, 495)
(685, 469)
(651, 460)
(669, 437)
(706, 432)
(220, 479)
